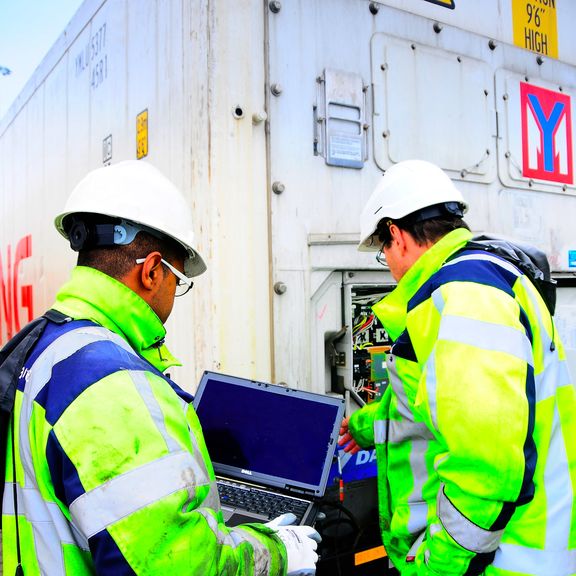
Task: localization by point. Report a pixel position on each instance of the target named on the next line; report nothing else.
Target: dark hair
(117, 260)
(423, 231)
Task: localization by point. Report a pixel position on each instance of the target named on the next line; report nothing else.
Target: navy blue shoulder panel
(403, 347)
(477, 271)
(51, 332)
(74, 374)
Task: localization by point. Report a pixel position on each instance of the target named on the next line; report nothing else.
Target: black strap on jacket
(531, 261)
(12, 359)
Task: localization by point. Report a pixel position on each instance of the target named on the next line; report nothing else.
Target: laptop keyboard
(267, 504)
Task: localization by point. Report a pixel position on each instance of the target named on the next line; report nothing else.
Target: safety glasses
(381, 257)
(183, 284)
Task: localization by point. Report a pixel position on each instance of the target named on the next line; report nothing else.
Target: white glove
(300, 542)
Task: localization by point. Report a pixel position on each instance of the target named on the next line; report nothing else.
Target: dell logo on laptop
(248, 472)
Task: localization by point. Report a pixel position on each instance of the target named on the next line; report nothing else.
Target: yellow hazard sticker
(142, 135)
(535, 26)
(446, 3)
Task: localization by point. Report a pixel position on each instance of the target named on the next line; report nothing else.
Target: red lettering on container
(14, 298)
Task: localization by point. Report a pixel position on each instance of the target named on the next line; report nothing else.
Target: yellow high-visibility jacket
(112, 472)
(476, 435)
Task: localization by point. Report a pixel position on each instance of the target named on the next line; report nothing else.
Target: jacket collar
(93, 295)
(392, 309)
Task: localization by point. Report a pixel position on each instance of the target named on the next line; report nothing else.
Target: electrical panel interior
(370, 343)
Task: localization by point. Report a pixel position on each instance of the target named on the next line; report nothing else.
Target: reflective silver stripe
(555, 372)
(224, 537)
(145, 390)
(400, 431)
(408, 431)
(125, 494)
(418, 517)
(397, 431)
(487, 335)
(418, 508)
(438, 300)
(465, 532)
(380, 431)
(486, 257)
(261, 552)
(555, 561)
(558, 488)
(416, 544)
(434, 529)
(398, 387)
(431, 388)
(36, 510)
(419, 434)
(50, 530)
(555, 375)
(212, 499)
(234, 537)
(439, 460)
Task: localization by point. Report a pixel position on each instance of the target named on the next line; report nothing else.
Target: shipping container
(277, 119)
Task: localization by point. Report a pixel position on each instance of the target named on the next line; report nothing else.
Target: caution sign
(445, 3)
(546, 134)
(142, 135)
(535, 26)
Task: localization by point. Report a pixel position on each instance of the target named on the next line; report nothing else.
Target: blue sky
(28, 28)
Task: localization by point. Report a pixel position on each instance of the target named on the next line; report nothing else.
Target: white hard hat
(405, 188)
(138, 192)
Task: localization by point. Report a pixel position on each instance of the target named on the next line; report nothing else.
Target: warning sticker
(535, 26)
(142, 135)
(546, 134)
(345, 148)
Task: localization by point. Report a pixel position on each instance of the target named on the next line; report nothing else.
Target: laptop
(271, 446)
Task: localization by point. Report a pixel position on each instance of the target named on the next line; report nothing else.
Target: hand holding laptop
(301, 543)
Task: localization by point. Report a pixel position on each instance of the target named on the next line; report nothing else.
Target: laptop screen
(271, 434)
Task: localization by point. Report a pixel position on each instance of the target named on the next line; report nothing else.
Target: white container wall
(277, 119)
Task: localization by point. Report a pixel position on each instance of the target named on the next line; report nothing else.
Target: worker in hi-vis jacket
(476, 435)
(112, 475)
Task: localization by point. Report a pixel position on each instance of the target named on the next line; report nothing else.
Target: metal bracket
(340, 128)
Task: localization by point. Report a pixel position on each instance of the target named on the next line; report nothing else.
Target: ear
(151, 273)
(399, 237)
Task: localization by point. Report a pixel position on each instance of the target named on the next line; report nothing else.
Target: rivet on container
(280, 288)
(259, 117)
(278, 187)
